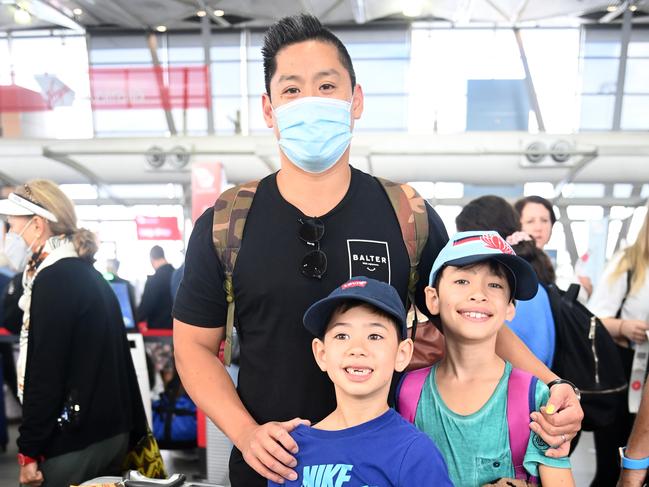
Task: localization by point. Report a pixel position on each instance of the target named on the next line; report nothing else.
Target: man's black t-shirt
(278, 378)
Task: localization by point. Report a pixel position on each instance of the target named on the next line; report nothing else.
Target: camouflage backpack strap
(410, 209)
(230, 213)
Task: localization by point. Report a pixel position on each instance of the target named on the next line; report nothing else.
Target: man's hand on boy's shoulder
(559, 421)
(269, 448)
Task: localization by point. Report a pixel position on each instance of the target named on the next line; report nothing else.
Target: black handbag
(586, 355)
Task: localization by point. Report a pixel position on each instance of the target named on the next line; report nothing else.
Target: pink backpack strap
(521, 401)
(409, 392)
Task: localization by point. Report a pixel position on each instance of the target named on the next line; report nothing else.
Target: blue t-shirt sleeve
(536, 447)
(423, 465)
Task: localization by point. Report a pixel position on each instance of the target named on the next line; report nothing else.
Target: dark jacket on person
(12, 315)
(78, 354)
(156, 304)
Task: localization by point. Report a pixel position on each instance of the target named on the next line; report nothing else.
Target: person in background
(156, 303)
(621, 301)
(75, 364)
(537, 219)
(112, 276)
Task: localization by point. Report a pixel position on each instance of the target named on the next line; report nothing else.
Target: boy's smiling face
(360, 352)
(473, 301)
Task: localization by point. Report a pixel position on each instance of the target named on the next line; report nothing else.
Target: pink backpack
(521, 401)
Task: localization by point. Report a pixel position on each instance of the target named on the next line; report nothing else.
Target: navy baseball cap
(466, 248)
(379, 294)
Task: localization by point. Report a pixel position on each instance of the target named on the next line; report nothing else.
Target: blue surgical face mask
(314, 132)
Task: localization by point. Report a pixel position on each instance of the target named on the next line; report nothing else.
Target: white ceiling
(181, 14)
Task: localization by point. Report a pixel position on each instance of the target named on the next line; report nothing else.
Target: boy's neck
(352, 413)
(467, 361)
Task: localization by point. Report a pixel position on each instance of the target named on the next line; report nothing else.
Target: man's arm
(264, 447)
(560, 420)
(638, 445)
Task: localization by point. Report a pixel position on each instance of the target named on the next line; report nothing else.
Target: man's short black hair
(299, 28)
(157, 253)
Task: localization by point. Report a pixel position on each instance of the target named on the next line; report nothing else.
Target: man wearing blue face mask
(312, 226)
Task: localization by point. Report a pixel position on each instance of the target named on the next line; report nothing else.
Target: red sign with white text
(150, 87)
(207, 182)
(157, 228)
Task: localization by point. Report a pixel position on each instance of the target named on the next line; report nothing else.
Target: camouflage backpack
(231, 210)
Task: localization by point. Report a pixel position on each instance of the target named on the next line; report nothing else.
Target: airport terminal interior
(144, 111)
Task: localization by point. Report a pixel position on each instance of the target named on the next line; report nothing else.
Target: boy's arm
(558, 422)
(556, 477)
(264, 447)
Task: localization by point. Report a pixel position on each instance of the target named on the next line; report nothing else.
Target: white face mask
(16, 249)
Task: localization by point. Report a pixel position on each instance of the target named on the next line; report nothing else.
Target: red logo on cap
(496, 242)
(636, 385)
(349, 284)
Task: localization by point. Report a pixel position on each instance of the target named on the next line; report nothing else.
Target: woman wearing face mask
(75, 374)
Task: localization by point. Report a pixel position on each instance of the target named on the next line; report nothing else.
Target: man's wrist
(628, 463)
(557, 382)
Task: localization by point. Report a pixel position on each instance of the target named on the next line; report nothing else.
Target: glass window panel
(602, 49)
(225, 113)
(599, 76)
(192, 121)
(256, 78)
(585, 212)
(635, 112)
(639, 45)
(111, 123)
(226, 47)
(614, 228)
(119, 49)
(226, 78)
(256, 121)
(597, 112)
(544, 189)
(185, 48)
(382, 76)
(637, 76)
(448, 214)
(383, 113)
(621, 212)
(636, 223)
(622, 190)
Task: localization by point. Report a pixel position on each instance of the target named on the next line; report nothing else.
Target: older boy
(463, 405)
(362, 340)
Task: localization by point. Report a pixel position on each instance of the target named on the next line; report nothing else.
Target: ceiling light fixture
(77, 11)
(219, 12)
(201, 13)
(161, 28)
(22, 16)
(633, 8)
(611, 8)
(412, 8)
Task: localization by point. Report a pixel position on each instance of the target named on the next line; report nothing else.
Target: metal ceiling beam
(66, 160)
(358, 11)
(531, 91)
(572, 174)
(621, 72)
(520, 10)
(610, 16)
(45, 12)
(502, 13)
(125, 13)
(152, 42)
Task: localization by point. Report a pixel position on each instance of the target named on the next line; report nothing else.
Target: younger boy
(463, 405)
(362, 340)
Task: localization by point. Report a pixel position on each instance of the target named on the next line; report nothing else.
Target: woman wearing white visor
(74, 365)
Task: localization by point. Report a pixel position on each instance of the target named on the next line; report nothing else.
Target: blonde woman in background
(75, 372)
(621, 300)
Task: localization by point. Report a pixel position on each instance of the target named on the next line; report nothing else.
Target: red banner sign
(207, 182)
(150, 87)
(157, 228)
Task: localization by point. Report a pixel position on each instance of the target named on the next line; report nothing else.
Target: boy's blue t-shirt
(534, 325)
(386, 451)
(476, 446)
